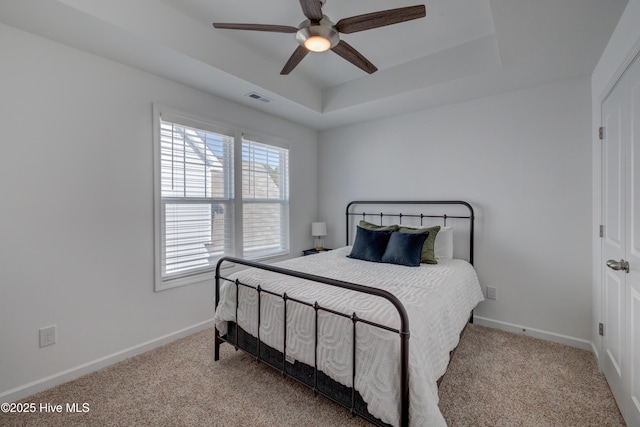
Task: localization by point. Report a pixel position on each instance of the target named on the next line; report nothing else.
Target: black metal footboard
(314, 378)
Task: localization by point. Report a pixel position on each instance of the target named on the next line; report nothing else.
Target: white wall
(76, 218)
(523, 160)
(623, 46)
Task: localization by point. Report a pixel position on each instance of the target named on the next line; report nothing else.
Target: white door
(633, 245)
(613, 245)
(621, 242)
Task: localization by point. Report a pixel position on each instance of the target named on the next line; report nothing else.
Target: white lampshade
(318, 229)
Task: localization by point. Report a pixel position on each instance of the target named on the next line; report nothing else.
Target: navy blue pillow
(405, 248)
(369, 244)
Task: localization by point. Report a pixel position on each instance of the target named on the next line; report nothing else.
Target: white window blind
(196, 203)
(265, 199)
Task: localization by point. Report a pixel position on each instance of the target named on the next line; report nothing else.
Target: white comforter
(438, 299)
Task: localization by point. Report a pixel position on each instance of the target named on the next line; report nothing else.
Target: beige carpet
(501, 379)
(495, 379)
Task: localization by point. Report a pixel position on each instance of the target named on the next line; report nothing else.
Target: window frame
(204, 274)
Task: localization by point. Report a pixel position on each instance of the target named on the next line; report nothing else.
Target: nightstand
(313, 251)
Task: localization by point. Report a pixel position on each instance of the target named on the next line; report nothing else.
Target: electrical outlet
(47, 336)
(491, 292)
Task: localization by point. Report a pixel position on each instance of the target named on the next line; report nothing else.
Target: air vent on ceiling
(259, 97)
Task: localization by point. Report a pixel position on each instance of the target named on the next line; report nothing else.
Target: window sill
(171, 283)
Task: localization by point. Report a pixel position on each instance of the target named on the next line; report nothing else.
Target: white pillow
(443, 246)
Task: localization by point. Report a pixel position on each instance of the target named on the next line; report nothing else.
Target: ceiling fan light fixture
(317, 44)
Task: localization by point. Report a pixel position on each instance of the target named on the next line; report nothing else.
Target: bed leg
(216, 351)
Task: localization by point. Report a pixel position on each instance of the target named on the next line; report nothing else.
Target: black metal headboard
(444, 216)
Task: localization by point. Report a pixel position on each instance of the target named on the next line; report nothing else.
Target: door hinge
(601, 132)
(601, 231)
(601, 329)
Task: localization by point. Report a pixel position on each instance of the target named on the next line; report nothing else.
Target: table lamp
(319, 230)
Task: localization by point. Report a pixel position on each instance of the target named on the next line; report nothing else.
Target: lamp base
(319, 244)
(319, 249)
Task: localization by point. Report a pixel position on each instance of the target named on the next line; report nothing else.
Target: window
(197, 218)
(196, 209)
(265, 200)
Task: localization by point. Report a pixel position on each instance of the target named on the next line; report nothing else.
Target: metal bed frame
(312, 377)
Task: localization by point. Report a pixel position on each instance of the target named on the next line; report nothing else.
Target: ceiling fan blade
(312, 9)
(257, 27)
(380, 19)
(294, 60)
(345, 50)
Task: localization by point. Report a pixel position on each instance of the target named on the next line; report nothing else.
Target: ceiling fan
(319, 34)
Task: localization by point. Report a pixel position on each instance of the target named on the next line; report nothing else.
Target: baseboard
(78, 371)
(536, 333)
(596, 354)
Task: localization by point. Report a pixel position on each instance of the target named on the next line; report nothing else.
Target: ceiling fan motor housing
(324, 28)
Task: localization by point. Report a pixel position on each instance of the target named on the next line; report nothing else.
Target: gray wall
(76, 212)
(523, 160)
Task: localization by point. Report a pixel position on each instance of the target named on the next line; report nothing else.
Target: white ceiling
(462, 50)
(449, 24)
